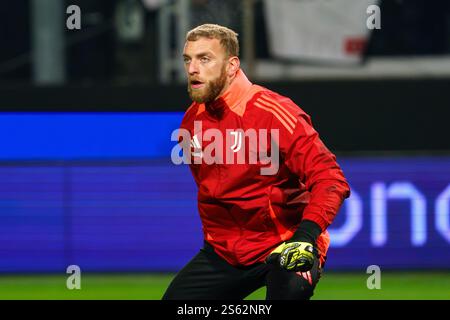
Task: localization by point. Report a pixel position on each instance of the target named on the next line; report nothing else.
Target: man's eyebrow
(200, 54)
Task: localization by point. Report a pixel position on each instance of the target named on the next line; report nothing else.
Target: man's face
(205, 62)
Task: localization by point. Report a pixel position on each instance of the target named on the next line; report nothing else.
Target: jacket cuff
(317, 215)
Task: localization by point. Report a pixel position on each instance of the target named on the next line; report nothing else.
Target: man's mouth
(195, 84)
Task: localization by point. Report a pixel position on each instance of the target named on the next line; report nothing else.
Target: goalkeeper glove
(294, 256)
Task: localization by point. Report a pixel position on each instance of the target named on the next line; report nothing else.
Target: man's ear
(233, 65)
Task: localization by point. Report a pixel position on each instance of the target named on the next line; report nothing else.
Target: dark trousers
(209, 277)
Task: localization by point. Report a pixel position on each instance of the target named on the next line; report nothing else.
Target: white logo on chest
(195, 144)
(237, 140)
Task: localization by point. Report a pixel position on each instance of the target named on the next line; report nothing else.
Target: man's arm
(306, 156)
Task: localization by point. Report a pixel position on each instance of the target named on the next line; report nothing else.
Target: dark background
(105, 74)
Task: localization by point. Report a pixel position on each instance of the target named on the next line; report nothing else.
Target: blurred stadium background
(86, 117)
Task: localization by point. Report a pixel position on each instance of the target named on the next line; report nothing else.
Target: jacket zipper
(219, 178)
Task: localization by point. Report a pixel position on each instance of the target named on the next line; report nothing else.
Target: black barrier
(350, 115)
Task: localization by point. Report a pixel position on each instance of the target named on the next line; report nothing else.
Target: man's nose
(193, 67)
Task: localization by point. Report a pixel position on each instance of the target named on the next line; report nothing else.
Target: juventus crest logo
(237, 141)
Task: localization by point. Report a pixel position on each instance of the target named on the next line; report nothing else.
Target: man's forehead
(204, 44)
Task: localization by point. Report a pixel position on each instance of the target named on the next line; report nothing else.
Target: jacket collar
(231, 98)
(237, 90)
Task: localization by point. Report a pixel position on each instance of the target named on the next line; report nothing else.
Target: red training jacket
(246, 214)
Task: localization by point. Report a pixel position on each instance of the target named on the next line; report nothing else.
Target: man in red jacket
(268, 188)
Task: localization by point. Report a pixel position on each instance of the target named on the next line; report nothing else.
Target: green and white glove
(294, 256)
(299, 252)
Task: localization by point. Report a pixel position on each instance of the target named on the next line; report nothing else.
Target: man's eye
(204, 59)
(186, 60)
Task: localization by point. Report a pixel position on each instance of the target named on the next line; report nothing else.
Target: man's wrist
(307, 231)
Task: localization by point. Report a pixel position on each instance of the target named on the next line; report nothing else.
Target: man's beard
(211, 89)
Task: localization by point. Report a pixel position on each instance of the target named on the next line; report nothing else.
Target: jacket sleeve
(306, 156)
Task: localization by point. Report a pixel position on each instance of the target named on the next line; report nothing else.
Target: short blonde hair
(228, 38)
